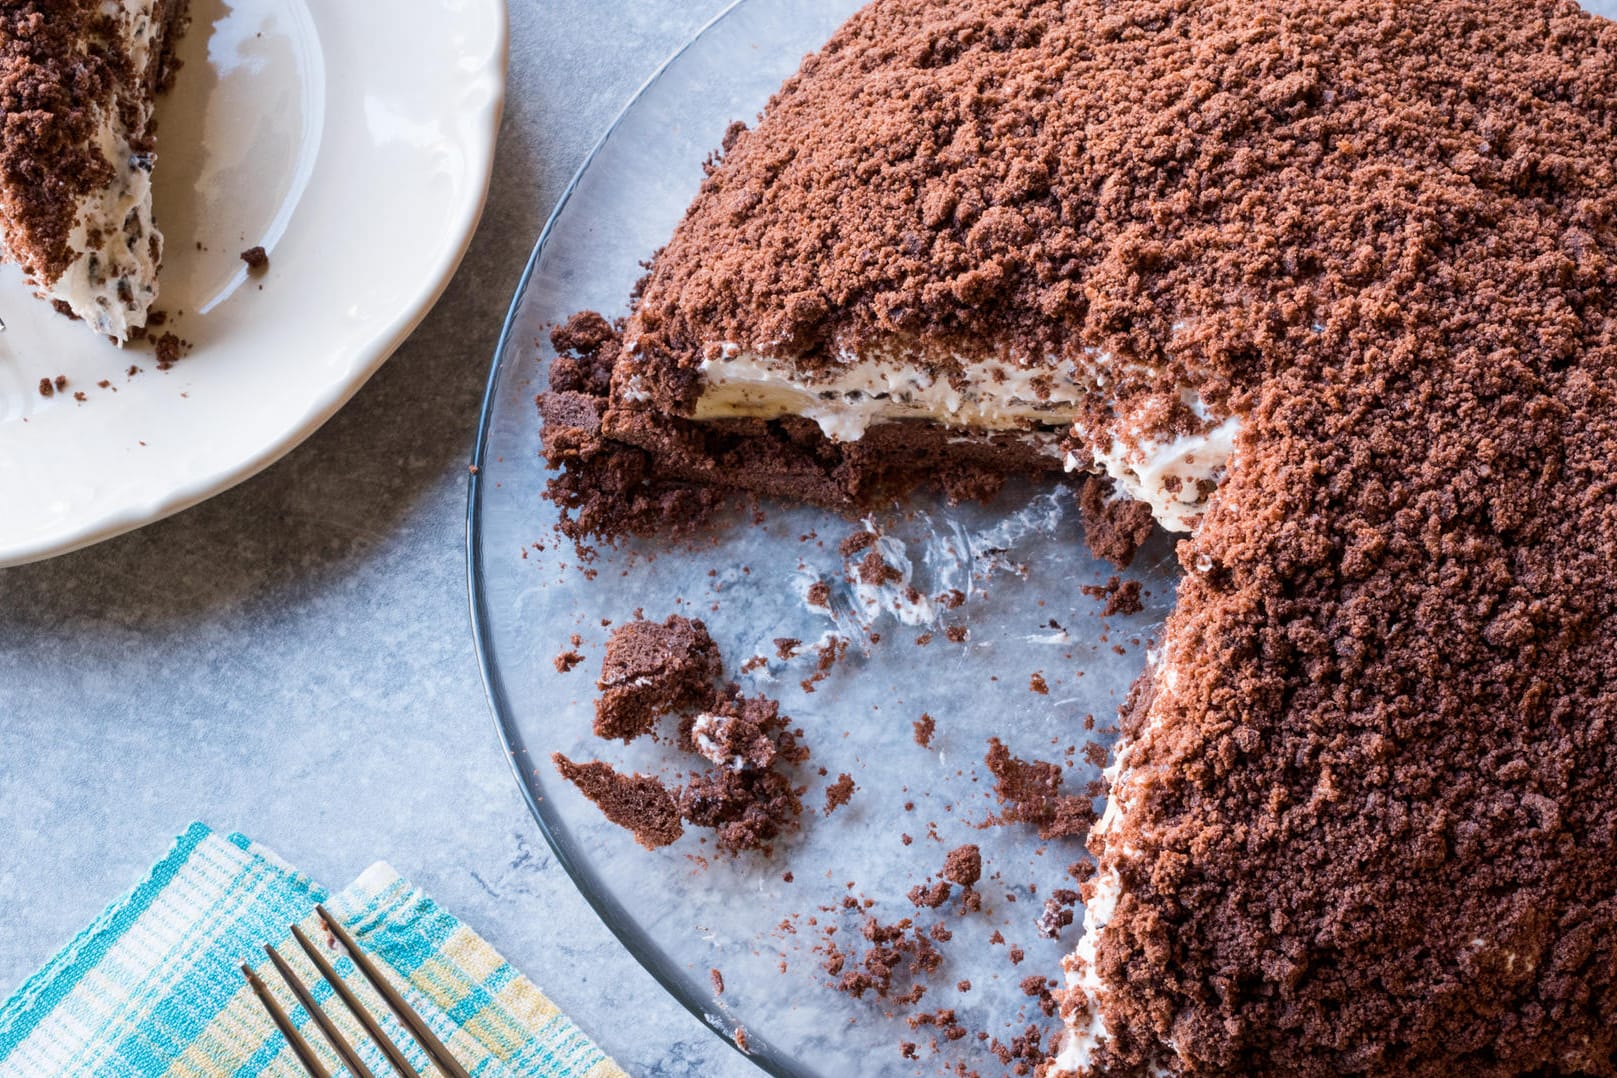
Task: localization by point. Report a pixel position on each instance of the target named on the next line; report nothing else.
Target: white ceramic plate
(354, 141)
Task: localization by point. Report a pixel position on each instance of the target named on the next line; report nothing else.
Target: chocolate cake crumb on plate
(1121, 596)
(747, 797)
(964, 865)
(839, 793)
(651, 670)
(640, 803)
(1031, 792)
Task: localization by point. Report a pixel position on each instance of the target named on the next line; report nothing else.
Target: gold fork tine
(402, 1010)
(357, 1009)
(300, 1047)
(334, 1037)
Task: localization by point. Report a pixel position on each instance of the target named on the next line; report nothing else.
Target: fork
(422, 1035)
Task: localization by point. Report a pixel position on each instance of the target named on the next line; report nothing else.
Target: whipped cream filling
(845, 402)
(706, 732)
(1086, 1031)
(1175, 476)
(112, 281)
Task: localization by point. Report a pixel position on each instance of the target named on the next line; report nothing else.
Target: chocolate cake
(1330, 288)
(78, 80)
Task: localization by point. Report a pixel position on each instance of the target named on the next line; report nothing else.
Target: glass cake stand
(686, 909)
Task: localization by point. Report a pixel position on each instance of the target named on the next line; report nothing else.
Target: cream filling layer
(1086, 1032)
(1174, 476)
(112, 281)
(987, 395)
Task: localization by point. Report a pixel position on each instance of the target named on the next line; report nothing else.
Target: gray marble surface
(292, 659)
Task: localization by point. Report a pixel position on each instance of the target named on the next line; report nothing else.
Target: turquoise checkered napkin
(154, 987)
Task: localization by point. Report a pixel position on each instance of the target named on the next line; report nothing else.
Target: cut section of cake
(953, 323)
(78, 79)
(1332, 287)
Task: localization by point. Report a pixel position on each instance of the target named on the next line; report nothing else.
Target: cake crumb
(857, 542)
(639, 803)
(1058, 913)
(964, 865)
(839, 793)
(168, 349)
(1121, 596)
(748, 799)
(932, 897)
(1030, 792)
(653, 669)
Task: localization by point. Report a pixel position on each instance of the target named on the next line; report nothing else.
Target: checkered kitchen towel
(154, 987)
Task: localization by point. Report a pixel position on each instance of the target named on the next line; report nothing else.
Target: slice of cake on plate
(78, 80)
(1331, 287)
